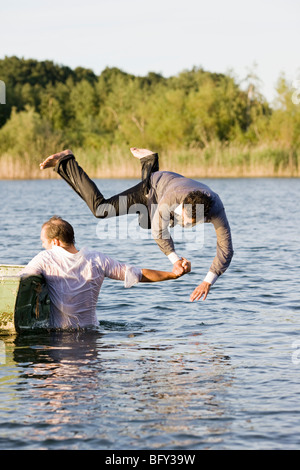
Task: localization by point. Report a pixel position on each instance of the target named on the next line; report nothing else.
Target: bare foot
(53, 159)
(140, 153)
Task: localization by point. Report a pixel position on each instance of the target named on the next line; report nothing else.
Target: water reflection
(57, 346)
(84, 386)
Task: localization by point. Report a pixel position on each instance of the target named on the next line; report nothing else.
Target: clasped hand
(182, 266)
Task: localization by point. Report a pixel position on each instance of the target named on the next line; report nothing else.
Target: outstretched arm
(132, 275)
(222, 259)
(152, 275)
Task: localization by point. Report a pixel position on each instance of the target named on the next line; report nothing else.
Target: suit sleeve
(160, 228)
(224, 244)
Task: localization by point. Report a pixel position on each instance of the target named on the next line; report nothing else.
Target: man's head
(57, 232)
(194, 204)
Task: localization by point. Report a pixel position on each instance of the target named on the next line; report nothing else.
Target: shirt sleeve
(122, 272)
(173, 257)
(211, 277)
(132, 276)
(35, 266)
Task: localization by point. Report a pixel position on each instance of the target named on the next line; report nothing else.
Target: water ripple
(161, 372)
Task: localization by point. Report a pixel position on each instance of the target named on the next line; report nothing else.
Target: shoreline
(137, 177)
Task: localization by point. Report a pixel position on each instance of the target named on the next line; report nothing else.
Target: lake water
(162, 372)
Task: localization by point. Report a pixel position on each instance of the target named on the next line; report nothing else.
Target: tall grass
(215, 161)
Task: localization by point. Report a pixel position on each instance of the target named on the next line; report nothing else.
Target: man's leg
(66, 166)
(149, 162)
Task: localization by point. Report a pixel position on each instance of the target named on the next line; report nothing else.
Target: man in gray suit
(161, 199)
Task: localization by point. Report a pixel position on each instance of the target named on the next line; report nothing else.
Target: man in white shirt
(74, 277)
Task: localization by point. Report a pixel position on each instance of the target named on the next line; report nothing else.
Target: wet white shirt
(74, 282)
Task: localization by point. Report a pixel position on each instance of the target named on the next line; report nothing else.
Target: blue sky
(163, 36)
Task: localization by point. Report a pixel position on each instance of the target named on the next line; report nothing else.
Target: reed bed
(215, 161)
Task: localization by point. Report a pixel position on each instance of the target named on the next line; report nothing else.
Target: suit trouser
(132, 200)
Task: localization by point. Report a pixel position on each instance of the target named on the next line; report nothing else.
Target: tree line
(50, 106)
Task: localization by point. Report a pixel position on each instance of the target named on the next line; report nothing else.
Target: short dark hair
(58, 228)
(197, 198)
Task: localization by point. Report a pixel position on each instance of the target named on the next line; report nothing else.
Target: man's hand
(202, 289)
(182, 266)
(187, 266)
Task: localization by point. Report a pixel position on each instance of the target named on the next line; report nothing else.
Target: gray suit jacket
(168, 190)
